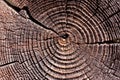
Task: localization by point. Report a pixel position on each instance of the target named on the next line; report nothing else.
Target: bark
(59, 40)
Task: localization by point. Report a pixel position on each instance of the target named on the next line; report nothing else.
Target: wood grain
(59, 40)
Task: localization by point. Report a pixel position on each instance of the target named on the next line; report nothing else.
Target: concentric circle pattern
(77, 40)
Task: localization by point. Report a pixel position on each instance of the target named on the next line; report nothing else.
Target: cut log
(59, 40)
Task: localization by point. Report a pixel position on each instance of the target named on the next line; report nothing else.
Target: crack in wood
(30, 16)
(63, 36)
(103, 42)
(14, 7)
(7, 64)
(118, 11)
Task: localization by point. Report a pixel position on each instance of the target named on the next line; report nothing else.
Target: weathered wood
(59, 40)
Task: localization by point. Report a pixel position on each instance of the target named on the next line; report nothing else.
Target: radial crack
(30, 16)
(107, 42)
(6, 64)
(111, 15)
(14, 7)
(37, 22)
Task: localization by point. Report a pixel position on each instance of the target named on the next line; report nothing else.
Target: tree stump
(59, 39)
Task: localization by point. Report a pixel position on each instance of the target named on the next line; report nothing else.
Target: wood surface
(59, 39)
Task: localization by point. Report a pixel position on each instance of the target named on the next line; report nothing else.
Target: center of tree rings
(65, 36)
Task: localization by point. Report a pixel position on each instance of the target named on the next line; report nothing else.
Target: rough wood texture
(60, 40)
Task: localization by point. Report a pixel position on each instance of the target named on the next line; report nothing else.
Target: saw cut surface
(60, 40)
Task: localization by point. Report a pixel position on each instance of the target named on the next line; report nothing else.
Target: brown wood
(59, 40)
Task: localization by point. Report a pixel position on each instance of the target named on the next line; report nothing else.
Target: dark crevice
(114, 13)
(6, 64)
(14, 7)
(37, 22)
(111, 15)
(30, 16)
(104, 42)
